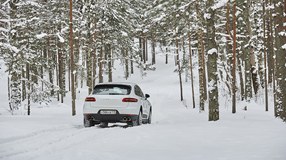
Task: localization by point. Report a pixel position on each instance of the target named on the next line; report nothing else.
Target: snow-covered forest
(215, 71)
(45, 58)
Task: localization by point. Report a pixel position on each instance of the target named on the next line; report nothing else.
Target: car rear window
(112, 90)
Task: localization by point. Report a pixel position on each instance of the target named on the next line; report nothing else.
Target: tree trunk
(272, 54)
(166, 56)
(191, 69)
(76, 58)
(228, 56)
(72, 59)
(83, 66)
(94, 67)
(201, 72)
(179, 69)
(42, 70)
(88, 69)
(265, 57)
(131, 62)
(212, 64)
(140, 48)
(126, 57)
(61, 70)
(202, 82)
(60, 75)
(109, 60)
(280, 40)
(185, 62)
(15, 90)
(9, 95)
(24, 92)
(269, 42)
(241, 79)
(100, 62)
(245, 46)
(234, 60)
(146, 49)
(29, 87)
(254, 73)
(50, 67)
(144, 52)
(166, 51)
(94, 58)
(153, 43)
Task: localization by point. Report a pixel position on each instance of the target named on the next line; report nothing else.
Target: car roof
(117, 83)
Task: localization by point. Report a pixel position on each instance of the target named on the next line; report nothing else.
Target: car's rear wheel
(138, 121)
(88, 123)
(150, 117)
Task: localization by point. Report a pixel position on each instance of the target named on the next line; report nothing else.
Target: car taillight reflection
(90, 99)
(129, 100)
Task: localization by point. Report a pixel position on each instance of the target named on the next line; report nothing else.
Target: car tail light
(129, 100)
(90, 99)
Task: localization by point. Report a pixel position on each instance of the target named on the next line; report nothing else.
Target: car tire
(87, 123)
(149, 121)
(138, 121)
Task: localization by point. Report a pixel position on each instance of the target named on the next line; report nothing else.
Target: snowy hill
(178, 131)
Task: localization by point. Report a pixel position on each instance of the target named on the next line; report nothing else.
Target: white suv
(117, 102)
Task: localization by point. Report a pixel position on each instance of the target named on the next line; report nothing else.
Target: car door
(143, 100)
(139, 93)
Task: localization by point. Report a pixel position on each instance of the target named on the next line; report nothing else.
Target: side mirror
(147, 96)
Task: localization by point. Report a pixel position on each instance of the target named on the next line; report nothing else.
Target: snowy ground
(177, 132)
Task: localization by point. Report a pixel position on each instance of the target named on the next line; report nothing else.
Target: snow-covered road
(177, 132)
(183, 138)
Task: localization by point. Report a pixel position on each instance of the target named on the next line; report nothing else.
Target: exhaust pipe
(126, 119)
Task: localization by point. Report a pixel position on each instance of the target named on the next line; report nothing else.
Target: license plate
(107, 112)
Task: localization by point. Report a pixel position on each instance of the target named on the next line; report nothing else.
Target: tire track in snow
(35, 144)
(20, 145)
(20, 138)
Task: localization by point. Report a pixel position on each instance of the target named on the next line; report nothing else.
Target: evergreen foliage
(34, 44)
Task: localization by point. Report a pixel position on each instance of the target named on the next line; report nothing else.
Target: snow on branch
(62, 40)
(207, 16)
(10, 47)
(32, 3)
(3, 29)
(6, 2)
(219, 4)
(284, 46)
(40, 36)
(212, 51)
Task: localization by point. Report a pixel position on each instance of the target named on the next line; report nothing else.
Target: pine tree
(72, 58)
(234, 59)
(280, 43)
(212, 52)
(201, 55)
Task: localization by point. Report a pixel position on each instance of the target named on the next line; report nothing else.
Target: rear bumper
(98, 118)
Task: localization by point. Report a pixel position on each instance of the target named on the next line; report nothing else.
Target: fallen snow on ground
(178, 131)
